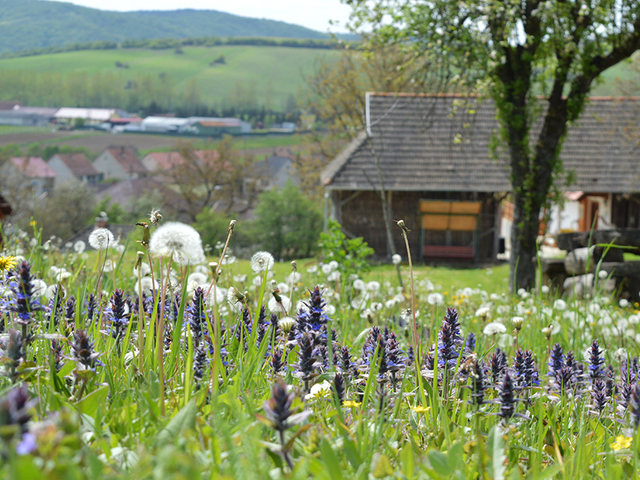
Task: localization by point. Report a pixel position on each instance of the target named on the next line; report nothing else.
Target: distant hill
(27, 24)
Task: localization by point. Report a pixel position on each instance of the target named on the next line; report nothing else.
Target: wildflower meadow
(145, 358)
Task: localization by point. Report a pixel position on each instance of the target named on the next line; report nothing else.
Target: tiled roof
(128, 158)
(442, 143)
(78, 163)
(166, 160)
(33, 167)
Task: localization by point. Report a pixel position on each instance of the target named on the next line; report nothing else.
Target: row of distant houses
(117, 120)
(119, 171)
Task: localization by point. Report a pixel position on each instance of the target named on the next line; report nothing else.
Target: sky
(314, 14)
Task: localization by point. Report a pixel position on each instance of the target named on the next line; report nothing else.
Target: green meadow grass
(272, 73)
(126, 419)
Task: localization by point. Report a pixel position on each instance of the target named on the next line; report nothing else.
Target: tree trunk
(524, 233)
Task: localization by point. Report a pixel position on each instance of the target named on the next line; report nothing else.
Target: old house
(33, 171)
(274, 172)
(70, 166)
(120, 163)
(430, 157)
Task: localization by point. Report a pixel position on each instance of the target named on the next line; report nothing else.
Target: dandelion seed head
(396, 259)
(79, 247)
(178, 241)
(261, 262)
(155, 216)
(494, 328)
(101, 239)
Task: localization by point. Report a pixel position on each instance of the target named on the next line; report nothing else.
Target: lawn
(266, 376)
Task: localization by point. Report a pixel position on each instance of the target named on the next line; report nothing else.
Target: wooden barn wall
(625, 211)
(361, 216)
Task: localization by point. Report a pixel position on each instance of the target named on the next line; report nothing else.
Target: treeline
(169, 43)
(142, 94)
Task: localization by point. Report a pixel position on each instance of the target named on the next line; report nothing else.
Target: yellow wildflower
(351, 404)
(7, 263)
(420, 409)
(621, 442)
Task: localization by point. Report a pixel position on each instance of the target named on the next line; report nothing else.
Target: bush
(351, 254)
(288, 223)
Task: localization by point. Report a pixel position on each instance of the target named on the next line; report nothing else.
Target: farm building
(69, 166)
(87, 115)
(27, 116)
(120, 163)
(162, 124)
(430, 157)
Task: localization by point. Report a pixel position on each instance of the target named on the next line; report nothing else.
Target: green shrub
(350, 253)
(288, 223)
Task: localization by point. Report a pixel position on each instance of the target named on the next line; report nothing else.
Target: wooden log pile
(586, 251)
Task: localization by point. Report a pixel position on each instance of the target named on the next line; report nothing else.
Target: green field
(270, 75)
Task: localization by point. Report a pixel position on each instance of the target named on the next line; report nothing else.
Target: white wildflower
(228, 259)
(235, 298)
(261, 262)
(62, 275)
(330, 310)
(239, 278)
(109, 266)
(390, 303)
(326, 269)
(359, 284)
(376, 306)
(145, 270)
(301, 306)
(602, 274)
(594, 308)
(435, 299)
(634, 319)
(217, 293)
(119, 248)
(483, 312)
(101, 239)
(257, 281)
(79, 247)
(494, 328)
(312, 269)
(544, 289)
(319, 390)
(283, 287)
(178, 241)
(624, 303)
(396, 259)
(333, 265)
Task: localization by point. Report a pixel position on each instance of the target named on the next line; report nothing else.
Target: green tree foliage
(287, 223)
(512, 52)
(350, 253)
(66, 211)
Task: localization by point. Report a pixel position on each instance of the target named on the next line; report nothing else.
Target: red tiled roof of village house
(167, 160)
(33, 167)
(78, 163)
(128, 158)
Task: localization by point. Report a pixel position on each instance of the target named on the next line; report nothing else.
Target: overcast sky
(314, 14)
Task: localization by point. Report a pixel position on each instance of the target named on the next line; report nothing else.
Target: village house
(274, 172)
(431, 158)
(70, 166)
(34, 170)
(157, 162)
(120, 163)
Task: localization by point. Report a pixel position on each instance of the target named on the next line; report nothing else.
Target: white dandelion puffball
(294, 277)
(560, 304)
(396, 259)
(145, 270)
(333, 276)
(261, 262)
(79, 247)
(483, 312)
(333, 265)
(108, 266)
(312, 269)
(283, 287)
(198, 277)
(178, 241)
(326, 269)
(217, 295)
(494, 328)
(330, 310)
(39, 287)
(602, 274)
(274, 306)
(148, 285)
(359, 284)
(373, 286)
(101, 239)
(624, 303)
(435, 299)
(319, 390)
